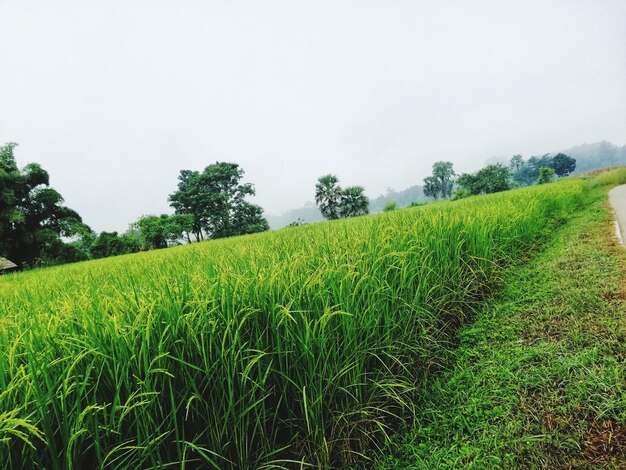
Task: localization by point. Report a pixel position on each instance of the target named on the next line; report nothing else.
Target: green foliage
(563, 165)
(546, 175)
(461, 192)
(153, 230)
(217, 202)
(247, 219)
(390, 206)
(527, 173)
(32, 217)
(354, 202)
(488, 180)
(440, 184)
(164, 230)
(111, 244)
(335, 202)
(328, 196)
(522, 173)
(299, 347)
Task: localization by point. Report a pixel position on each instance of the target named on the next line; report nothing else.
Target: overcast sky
(114, 98)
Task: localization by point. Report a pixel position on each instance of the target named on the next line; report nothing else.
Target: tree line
(444, 183)
(36, 229)
(207, 204)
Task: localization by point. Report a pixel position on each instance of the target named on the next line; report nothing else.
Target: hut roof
(6, 264)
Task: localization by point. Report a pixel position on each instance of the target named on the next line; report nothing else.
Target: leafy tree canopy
(215, 199)
(354, 202)
(328, 196)
(563, 165)
(525, 173)
(490, 179)
(111, 244)
(441, 182)
(546, 175)
(33, 219)
(335, 202)
(164, 230)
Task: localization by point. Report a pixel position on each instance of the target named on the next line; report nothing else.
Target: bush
(390, 206)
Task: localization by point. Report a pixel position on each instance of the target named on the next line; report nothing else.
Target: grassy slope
(539, 379)
(305, 344)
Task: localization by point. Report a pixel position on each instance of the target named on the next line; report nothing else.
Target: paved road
(617, 198)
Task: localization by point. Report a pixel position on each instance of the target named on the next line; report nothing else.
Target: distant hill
(597, 155)
(309, 213)
(401, 198)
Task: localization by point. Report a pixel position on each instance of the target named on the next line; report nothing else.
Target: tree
(441, 182)
(335, 202)
(493, 179)
(328, 196)
(33, 220)
(216, 201)
(516, 164)
(111, 244)
(522, 173)
(153, 230)
(546, 175)
(179, 225)
(461, 192)
(527, 173)
(468, 185)
(188, 200)
(431, 187)
(490, 179)
(444, 173)
(563, 165)
(248, 218)
(164, 230)
(354, 202)
(535, 164)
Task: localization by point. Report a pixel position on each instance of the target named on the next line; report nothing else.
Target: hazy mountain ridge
(597, 155)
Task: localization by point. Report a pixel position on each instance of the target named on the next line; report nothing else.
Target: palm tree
(441, 182)
(328, 196)
(354, 202)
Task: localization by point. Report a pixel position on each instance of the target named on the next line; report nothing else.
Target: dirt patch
(613, 296)
(605, 443)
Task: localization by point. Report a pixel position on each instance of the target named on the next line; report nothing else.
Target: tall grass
(295, 348)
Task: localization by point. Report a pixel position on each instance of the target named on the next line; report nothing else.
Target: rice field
(291, 349)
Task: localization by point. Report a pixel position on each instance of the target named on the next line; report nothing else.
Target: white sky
(113, 98)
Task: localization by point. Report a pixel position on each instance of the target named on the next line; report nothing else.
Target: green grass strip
(539, 379)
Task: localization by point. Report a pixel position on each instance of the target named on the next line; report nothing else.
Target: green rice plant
(295, 348)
